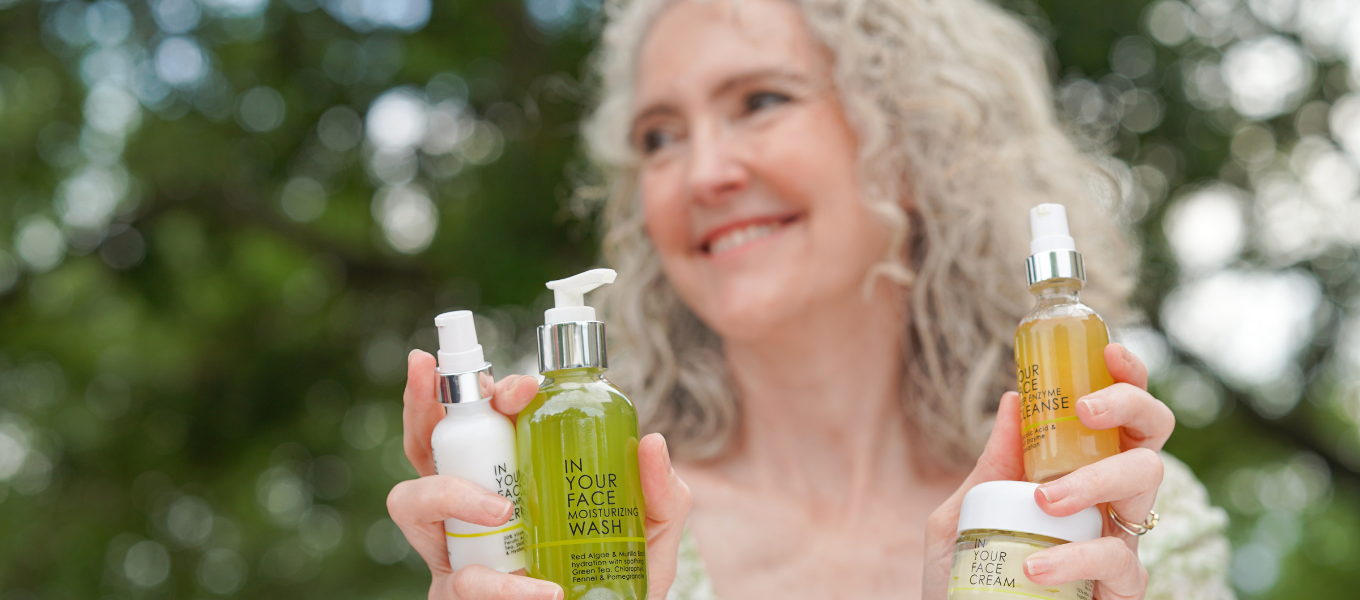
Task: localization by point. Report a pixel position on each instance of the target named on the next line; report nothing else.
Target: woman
(818, 212)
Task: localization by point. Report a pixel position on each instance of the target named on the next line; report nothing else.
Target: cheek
(814, 161)
(664, 213)
(810, 159)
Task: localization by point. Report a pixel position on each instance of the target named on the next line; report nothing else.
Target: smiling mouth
(740, 236)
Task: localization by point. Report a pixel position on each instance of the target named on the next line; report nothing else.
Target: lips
(735, 235)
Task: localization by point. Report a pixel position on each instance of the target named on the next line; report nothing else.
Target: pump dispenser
(578, 455)
(476, 443)
(1059, 355)
(571, 338)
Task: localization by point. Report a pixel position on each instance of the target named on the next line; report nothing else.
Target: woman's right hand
(420, 506)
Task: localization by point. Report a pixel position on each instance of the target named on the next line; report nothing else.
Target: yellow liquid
(1058, 360)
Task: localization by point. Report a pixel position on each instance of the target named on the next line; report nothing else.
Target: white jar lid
(1010, 506)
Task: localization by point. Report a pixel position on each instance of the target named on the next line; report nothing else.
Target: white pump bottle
(475, 443)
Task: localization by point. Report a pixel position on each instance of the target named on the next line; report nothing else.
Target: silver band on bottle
(571, 345)
(1055, 264)
(465, 388)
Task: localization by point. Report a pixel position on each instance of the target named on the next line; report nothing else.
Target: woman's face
(748, 176)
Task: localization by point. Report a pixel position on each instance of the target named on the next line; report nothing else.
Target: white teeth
(737, 237)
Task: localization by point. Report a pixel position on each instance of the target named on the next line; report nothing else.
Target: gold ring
(1133, 528)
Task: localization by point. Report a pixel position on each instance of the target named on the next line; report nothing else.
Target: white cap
(459, 351)
(1010, 506)
(569, 296)
(1048, 229)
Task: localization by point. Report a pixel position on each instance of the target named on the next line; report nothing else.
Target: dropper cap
(464, 374)
(1053, 252)
(570, 337)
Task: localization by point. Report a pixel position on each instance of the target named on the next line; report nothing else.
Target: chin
(754, 309)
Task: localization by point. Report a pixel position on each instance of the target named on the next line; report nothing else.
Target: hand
(1128, 481)
(420, 506)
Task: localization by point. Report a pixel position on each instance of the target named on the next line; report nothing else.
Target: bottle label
(995, 569)
(500, 547)
(1058, 361)
(1043, 410)
(597, 509)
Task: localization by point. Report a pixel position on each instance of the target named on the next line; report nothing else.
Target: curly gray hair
(958, 138)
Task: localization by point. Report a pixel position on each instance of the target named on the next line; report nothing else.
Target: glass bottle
(578, 458)
(1059, 356)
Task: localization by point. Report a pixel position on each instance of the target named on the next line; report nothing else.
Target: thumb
(1001, 459)
(668, 502)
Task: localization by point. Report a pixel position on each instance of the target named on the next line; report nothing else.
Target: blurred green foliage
(216, 250)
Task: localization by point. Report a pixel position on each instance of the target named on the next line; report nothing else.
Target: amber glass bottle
(1059, 356)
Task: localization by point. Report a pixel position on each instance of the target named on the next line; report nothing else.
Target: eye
(762, 100)
(655, 139)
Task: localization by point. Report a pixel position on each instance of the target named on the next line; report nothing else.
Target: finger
(1124, 366)
(1124, 476)
(1146, 422)
(476, 582)
(438, 497)
(420, 412)
(420, 506)
(667, 504)
(514, 393)
(1001, 459)
(1112, 564)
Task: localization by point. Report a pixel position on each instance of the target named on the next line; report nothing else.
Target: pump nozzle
(1048, 229)
(569, 296)
(459, 351)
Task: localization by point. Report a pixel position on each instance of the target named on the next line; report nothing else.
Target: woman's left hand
(1128, 481)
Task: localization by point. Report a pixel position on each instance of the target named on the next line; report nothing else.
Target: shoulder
(1187, 555)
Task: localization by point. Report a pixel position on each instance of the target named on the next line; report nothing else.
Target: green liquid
(584, 513)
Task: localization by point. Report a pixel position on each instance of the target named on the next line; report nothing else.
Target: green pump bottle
(578, 459)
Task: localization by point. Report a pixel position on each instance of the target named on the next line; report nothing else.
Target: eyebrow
(724, 87)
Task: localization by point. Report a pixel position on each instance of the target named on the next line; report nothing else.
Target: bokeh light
(180, 61)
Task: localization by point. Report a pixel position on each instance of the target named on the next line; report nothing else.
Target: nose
(716, 170)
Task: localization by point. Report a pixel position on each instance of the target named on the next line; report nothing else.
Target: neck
(821, 400)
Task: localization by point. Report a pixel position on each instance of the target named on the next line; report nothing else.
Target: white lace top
(1186, 555)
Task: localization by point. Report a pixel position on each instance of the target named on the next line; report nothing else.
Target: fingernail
(1128, 356)
(496, 506)
(1037, 565)
(547, 591)
(1095, 405)
(411, 353)
(1054, 492)
(666, 453)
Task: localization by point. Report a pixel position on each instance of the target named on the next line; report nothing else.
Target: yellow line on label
(472, 535)
(591, 541)
(999, 591)
(1057, 420)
